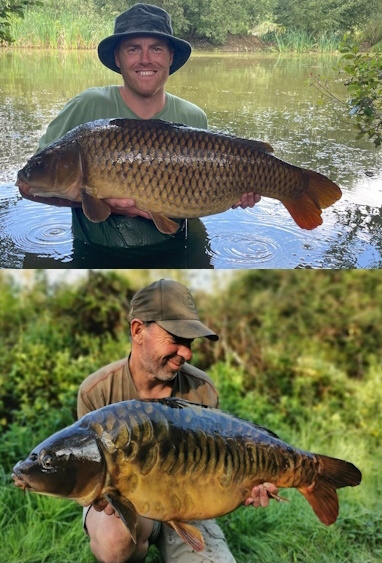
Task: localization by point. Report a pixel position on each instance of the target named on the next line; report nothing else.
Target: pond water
(260, 96)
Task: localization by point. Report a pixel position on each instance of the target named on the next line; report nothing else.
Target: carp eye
(47, 462)
(37, 161)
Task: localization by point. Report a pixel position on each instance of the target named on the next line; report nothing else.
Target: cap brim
(189, 329)
(182, 49)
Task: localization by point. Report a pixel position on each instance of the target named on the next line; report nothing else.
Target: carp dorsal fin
(126, 510)
(95, 209)
(262, 146)
(189, 534)
(164, 224)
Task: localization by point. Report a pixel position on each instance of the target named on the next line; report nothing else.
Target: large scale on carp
(171, 171)
(175, 461)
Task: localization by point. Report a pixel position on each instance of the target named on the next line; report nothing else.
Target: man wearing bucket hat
(144, 50)
(163, 323)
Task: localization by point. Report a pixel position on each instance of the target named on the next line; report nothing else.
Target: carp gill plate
(175, 461)
(171, 171)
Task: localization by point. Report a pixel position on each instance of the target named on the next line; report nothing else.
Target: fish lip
(19, 480)
(23, 184)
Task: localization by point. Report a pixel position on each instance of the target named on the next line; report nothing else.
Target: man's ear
(136, 328)
(171, 57)
(116, 57)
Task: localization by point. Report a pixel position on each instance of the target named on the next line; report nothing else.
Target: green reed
(52, 29)
(301, 41)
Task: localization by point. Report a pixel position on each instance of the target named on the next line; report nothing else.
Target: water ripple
(266, 237)
(32, 228)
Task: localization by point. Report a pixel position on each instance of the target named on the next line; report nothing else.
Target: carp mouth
(22, 183)
(20, 482)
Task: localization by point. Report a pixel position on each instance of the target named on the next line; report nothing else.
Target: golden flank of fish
(174, 461)
(171, 171)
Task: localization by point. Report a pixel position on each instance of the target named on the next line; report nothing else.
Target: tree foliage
(363, 72)
(9, 8)
(296, 338)
(211, 19)
(323, 16)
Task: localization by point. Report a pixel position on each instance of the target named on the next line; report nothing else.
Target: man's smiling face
(162, 354)
(145, 64)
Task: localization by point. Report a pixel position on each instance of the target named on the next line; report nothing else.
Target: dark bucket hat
(143, 19)
(171, 305)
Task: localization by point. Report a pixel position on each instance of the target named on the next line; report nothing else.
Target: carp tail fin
(189, 534)
(307, 206)
(322, 494)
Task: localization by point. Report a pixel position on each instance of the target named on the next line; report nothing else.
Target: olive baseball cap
(171, 305)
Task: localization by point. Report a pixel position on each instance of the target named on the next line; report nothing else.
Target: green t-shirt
(118, 231)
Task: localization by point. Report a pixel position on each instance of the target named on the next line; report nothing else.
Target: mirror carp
(174, 461)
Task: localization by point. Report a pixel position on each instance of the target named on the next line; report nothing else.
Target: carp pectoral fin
(94, 208)
(189, 534)
(164, 224)
(126, 510)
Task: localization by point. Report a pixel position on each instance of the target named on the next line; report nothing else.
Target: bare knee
(111, 541)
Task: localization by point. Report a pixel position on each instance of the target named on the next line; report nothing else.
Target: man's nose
(145, 56)
(185, 352)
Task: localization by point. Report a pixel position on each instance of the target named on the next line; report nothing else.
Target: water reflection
(258, 96)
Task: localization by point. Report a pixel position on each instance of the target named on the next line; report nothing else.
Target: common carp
(171, 171)
(175, 461)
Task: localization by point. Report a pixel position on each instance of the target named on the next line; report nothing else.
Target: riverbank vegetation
(299, 353)
(83, 23)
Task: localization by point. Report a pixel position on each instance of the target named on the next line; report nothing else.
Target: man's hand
(125, 206)
(102, 504)
(247, 200)
(261, 495)
(117, 205)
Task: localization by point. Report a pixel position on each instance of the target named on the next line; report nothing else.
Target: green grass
(50, 27)
(46, 28)
(308, 337)
(301, 42)
(39, 529)
(51, 529)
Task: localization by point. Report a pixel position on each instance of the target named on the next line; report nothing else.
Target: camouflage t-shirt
(114, 383)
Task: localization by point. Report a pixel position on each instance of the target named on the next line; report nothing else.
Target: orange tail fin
(319, 194)
(322, 495)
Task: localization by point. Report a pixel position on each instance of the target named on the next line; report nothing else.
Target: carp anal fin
(189, 534)
(94, 208)
(164, 224)
(126, 510)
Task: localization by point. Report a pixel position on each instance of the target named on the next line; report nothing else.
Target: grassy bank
(50, 28)
(299, 353)
(52, 531)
